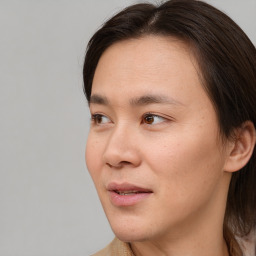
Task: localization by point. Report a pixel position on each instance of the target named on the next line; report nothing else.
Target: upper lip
(121, 187)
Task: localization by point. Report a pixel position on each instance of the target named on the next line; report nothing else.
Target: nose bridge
(121, 147)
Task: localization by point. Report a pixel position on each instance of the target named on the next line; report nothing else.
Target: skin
(176, 151)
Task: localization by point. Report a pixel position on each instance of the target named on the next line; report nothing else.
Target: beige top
(119, 248)
(116, 248)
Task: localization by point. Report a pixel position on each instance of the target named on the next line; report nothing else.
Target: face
(153, 150)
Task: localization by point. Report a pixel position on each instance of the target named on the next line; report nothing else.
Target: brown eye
(149, 119)
(100, 119)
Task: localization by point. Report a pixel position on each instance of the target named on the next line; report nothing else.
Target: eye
(100, 119)
(151, 119)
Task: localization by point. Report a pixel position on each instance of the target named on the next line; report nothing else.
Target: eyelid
(164, 119)
(94, 117)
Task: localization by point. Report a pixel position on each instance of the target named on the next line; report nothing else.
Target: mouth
(126, 194)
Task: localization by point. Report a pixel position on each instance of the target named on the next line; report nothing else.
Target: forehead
(146, 53)
(151, 64)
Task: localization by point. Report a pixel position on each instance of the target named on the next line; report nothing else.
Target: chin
(130, 229)
(130, 236)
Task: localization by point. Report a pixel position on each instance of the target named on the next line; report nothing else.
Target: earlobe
(241, 148)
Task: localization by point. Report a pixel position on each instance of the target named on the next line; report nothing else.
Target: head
(206, 66)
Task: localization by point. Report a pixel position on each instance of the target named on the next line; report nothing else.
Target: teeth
(125, 193)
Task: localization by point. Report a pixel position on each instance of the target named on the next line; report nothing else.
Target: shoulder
(116, 248)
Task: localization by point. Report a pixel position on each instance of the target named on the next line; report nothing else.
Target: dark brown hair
(227, 61)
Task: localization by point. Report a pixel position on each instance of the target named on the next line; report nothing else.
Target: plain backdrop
(48, 205)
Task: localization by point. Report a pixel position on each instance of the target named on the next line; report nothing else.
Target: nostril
(125, 162)
(119, 165)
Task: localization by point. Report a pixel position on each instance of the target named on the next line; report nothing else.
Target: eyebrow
(140, 101)
(152, 99)
(98, 99)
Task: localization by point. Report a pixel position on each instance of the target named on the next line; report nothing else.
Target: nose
(121, 149)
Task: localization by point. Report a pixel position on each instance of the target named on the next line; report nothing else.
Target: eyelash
(152, 115)
(95, 118)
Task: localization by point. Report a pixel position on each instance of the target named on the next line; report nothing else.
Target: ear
(241, 148)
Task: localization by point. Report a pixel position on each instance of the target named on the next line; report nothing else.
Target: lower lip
(127, 200)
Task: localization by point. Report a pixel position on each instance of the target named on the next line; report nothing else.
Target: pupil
(98, 119)
(149, 119)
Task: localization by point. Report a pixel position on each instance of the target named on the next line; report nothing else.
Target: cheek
(186, 166)
(93, 152)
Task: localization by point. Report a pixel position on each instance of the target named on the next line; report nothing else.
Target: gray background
(48, 205)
